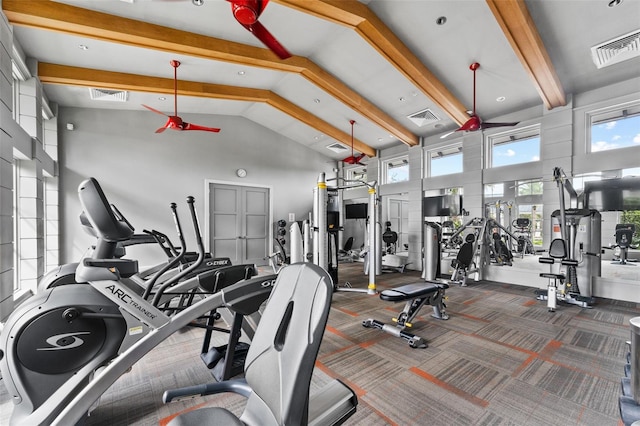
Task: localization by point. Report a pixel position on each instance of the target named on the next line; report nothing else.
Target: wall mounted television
(356, 211)
(442, 205)
(613, 194)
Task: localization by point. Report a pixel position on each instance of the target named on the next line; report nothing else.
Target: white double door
(239, 222)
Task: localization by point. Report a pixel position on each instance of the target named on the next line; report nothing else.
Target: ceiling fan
(474, 122)
(352, 159)
(175, 122)
(247, 13)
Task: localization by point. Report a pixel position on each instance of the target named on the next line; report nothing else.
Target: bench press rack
(415, 296)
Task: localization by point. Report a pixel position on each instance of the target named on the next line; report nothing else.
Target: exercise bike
(63, 348)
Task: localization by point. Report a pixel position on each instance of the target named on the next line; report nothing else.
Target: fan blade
(189, 126)
(154, 110)
(170, 124)
(486, 125)
(450, 133)
(262, 34)
(247, 13)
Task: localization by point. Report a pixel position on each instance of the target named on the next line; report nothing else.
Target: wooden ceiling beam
(519, 28)
(60, 17)
(357, 16)
(86, 77)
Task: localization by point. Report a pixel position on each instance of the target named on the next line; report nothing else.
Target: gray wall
(143, 172)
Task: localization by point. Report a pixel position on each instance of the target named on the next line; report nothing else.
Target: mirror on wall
(395, 217)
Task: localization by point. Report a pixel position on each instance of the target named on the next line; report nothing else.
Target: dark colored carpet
(501, 359)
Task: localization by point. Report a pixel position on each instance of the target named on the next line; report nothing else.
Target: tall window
(445, 161)
(615, 128)
(358, 173)
(529, 187)
(493, 190)
(514, 147)
(396, 170)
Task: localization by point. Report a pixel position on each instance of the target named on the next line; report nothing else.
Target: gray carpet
(501, 359)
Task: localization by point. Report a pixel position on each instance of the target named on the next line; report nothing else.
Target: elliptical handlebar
(161, 239)
(177, 259)
(201, 252)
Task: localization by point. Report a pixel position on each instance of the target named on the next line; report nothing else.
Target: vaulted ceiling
(375, 62)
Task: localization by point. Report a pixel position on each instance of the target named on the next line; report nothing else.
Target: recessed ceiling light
(401, 99)
(379, 139)
(438, 126)
(500, 99)
(316, 100)
(317, 137)
(241, 72)
(614, 3)
(83, 47)
(162, 98)
(441, 20)
(197, 2)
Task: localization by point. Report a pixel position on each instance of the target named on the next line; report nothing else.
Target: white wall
(143, 172)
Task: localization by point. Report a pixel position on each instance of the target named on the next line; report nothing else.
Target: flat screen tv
(356, 211)
(442, 205)
(613, 194)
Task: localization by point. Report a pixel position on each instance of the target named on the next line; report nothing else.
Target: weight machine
(574, 253)
(325, 240)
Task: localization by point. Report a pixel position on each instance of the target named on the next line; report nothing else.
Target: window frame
(606, 115)
(403, 161)
(509, 137)
(351, 174)
(442, 152)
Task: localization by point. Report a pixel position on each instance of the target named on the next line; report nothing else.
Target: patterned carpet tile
(611, 317)
(597, 341)
(540, 313)
(597, 364)
(424, 402)
(397, 351)
(521, 403)
(514, 337)
(366, 370)
(462, 323)
(542, 329)
(573, 385)
(487, 353)
(500, 359)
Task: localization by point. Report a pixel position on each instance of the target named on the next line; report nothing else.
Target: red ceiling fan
(175, 122)
(247, 13)
(352, 159)
(474, 122)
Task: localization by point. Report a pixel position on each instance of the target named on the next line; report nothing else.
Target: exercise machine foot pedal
(225, 369)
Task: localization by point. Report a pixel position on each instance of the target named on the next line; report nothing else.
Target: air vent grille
(108, 95)
(616, 50)
(424, 117)
(337, 147)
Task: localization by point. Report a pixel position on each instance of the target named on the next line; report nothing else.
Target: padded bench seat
(415, 296)
(412, 291)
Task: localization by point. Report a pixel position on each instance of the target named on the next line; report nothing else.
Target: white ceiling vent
(424, 117)
(108, 95)
(616, 50)
(337, 147)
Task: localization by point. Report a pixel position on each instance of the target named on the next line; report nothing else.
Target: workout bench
(415, 296)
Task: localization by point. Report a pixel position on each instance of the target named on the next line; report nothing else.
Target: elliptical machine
(63, 348)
